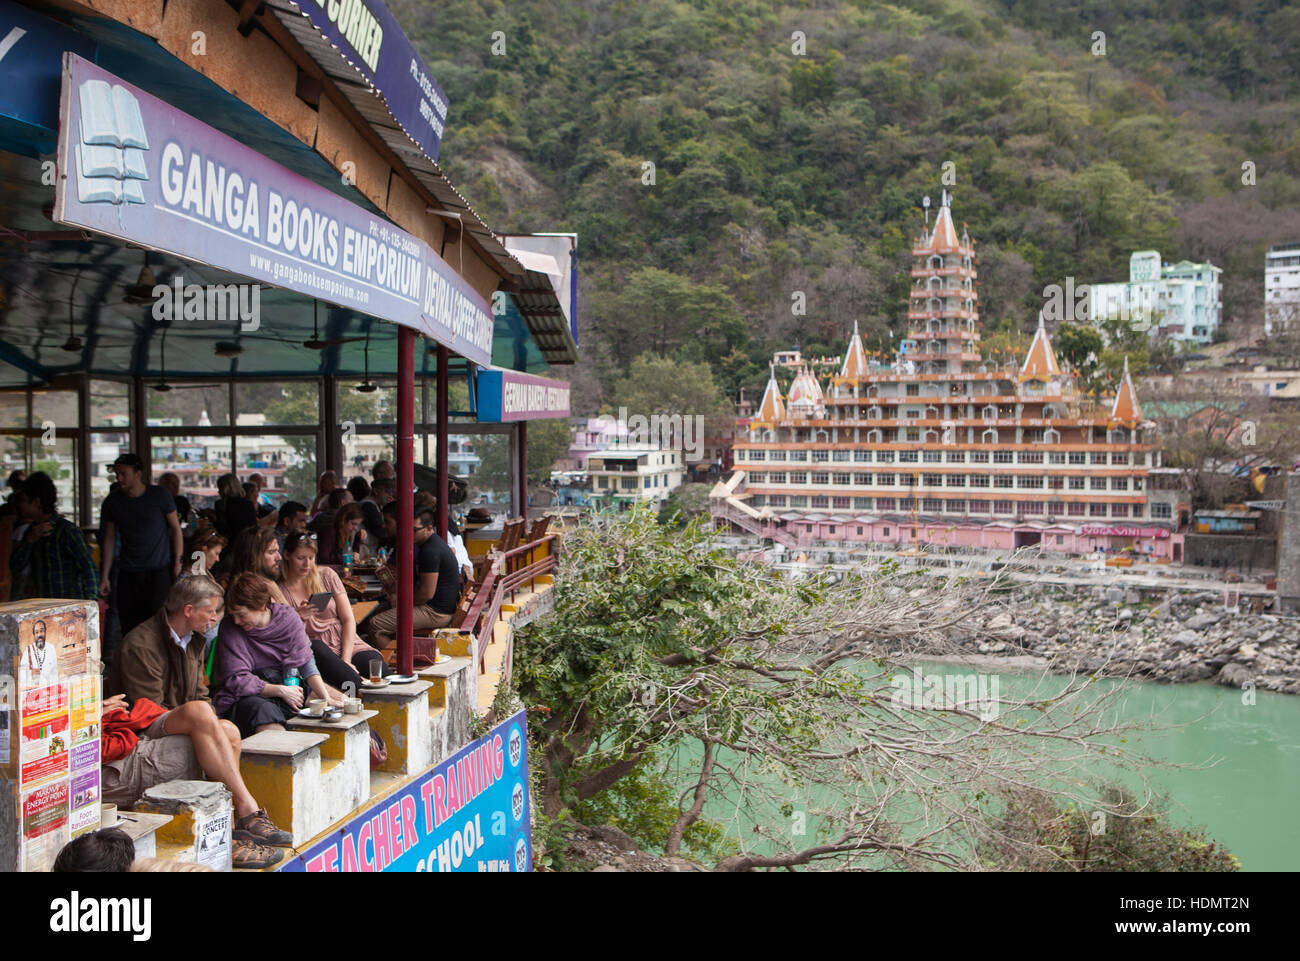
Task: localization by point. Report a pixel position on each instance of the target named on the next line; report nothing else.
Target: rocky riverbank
(1114, 632)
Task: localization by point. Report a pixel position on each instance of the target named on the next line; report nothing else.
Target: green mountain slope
(781, 177)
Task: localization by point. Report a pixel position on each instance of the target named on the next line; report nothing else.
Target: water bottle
(347, 562)
(291, 678)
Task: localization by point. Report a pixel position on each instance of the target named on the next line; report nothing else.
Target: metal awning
(370, 104)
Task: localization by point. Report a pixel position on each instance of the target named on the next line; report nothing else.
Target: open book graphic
(111, 145)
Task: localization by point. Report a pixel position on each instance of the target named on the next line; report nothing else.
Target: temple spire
(1126, 409)
(855, 358)
(772, 409)
(1040, 363)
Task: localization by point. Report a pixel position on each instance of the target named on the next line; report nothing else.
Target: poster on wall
(51, 646)
(469, 813)
(45, 825)
(212, 847)
(45, 735)
(83, 722)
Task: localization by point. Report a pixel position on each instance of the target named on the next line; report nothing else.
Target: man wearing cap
(144, 517)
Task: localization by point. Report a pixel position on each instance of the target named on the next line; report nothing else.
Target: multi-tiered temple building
(935, 445)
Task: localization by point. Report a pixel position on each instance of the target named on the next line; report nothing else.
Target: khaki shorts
(159, 757)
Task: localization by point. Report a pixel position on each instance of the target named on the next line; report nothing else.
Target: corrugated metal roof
(370, 104)
(537, 300)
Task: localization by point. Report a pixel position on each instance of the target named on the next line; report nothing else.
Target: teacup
(352, 705)
(317, 706)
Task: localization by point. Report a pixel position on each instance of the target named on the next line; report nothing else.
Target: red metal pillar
(523, 469)
(405, 456)
(443, 474)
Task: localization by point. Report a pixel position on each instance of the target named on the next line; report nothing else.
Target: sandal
(249, 856)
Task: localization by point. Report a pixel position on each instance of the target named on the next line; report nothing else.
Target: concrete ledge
(283, 771)
(402, 720)
(344, 767)
(198, 819)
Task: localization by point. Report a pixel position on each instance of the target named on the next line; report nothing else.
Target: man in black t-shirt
(143, 516)
(437, 586)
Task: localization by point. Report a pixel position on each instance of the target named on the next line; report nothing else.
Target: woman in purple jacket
(260, 641)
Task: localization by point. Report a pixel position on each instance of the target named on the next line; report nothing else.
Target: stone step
(443, 676)
(285, 772)
(451, 699)
(345, 763)
(199, 819)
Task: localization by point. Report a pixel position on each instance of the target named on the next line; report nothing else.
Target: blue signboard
(470, 813)
(369, 38)
(31, 68)
(509, 395)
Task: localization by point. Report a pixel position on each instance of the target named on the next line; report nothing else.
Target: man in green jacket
(55, 550)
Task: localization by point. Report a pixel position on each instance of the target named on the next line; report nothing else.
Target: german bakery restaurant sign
(133, 167)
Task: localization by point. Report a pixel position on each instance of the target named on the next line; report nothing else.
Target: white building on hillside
(1181, 301)
(1281, 286)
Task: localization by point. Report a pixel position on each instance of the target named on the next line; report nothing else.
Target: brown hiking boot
(257, 827)
(248, 856)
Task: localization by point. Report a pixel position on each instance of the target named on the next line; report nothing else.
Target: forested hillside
(777, 173)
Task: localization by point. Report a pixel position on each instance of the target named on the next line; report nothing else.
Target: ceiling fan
(316, 343)
(366, 387)
(141, 292)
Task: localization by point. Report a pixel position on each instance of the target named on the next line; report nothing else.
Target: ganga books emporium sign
(470, 813)
(134, 167)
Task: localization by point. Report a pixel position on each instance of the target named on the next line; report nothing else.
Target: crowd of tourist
(229, 618)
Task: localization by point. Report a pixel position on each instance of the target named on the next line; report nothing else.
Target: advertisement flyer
(45, 825)
(85, 802)
(45, 735)
(83, 715)
(83, 707)
(212, 846)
